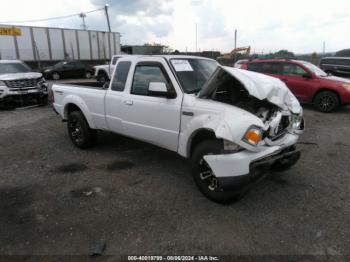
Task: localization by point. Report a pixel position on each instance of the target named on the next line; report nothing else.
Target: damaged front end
(265, 97)
(272, 120)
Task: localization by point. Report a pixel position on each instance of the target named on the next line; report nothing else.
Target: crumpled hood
(264, 87)
(18, 76)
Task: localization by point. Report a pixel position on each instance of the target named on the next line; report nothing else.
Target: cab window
(114, 60)
(120, 76)
(145, 74)
(265, 67)
(293, 70)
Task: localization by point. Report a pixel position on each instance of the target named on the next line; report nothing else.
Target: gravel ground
(127, 197)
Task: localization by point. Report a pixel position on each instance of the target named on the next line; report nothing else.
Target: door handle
(128, 102)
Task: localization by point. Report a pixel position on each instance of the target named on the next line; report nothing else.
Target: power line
(50, 18)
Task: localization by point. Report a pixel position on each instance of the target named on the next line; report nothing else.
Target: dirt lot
(133, 198)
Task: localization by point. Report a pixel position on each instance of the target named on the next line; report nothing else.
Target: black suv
(336, 65)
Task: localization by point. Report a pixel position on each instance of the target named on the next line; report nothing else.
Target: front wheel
(79, 131)
(326, 101)
(88, 75)
(204, 176)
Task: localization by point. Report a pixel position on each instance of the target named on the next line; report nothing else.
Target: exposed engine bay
(231, 91)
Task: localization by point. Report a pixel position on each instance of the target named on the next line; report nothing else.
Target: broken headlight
(253, 135)
(42, 84)
(297, 122)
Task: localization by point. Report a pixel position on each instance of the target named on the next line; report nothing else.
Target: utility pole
(324, 47)
(235, 55)
(235, 38)
(82, 16)
(107, 16)
(196, 39)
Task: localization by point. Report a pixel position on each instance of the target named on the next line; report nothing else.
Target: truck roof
(167, 57)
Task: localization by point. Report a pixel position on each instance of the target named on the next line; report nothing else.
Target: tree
(284, 54)
(314, 58)
(344, 52)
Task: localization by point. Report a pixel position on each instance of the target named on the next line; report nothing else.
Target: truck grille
(22, 83)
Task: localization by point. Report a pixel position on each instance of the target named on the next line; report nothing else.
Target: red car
(306, 81)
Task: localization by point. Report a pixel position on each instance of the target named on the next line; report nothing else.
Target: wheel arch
(72, 106)
(323, 89)
(103, 71)
(197, 137)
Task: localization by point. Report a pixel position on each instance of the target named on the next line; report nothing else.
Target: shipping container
(47, 44)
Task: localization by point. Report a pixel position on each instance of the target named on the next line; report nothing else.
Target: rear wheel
(326, 101)
(56, 76)
(204, 176)
(102, 78)
(79, 131)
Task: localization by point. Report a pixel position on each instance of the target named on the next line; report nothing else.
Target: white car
(232, 124)
(240, 63)
(18, 81)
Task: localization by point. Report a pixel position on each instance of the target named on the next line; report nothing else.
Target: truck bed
(90, 98)
(91, 84)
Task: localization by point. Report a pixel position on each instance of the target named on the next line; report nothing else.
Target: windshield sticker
(181, 65)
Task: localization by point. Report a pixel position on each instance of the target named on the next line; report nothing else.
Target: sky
(300, 26)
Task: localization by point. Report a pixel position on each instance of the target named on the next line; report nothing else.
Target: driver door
(151, 118)
(298, 80)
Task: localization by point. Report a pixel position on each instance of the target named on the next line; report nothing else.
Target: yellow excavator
(229, 58)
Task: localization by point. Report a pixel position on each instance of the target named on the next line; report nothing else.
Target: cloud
(300, 26)
(140, 21)
(137, 7)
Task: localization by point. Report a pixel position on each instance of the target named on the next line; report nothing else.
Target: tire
(88, 75)
(81, 135)
(210, 186)
(56, 76)
(102, 78)
(326, 101)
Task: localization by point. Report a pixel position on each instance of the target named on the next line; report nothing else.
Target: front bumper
(17, 96)
(258, 169)
(237, 169)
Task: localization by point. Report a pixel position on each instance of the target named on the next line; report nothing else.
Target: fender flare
(77, 101)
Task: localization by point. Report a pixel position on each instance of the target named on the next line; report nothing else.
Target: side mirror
(307, 76)
(106, 85)
(160, 89)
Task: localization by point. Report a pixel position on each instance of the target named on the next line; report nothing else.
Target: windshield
(314, 69)
(193, 73)
(11, 68)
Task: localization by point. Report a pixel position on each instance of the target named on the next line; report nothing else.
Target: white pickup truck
(103, 72)
(231, 124)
